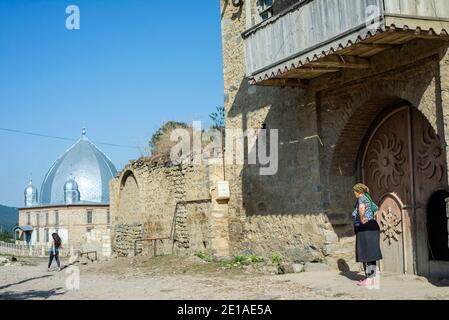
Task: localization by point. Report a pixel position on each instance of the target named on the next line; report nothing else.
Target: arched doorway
(437, 226)
(403, 163)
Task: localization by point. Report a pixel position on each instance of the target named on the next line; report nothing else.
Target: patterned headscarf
(361, 188)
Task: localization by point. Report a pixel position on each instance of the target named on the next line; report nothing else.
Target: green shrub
(256, 259)
(276, 258)
(240, 259)
(204, 256)
(6, 237)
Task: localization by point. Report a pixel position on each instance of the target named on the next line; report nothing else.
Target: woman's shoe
(365, 283)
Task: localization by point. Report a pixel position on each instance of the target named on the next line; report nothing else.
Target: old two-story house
(359, 92)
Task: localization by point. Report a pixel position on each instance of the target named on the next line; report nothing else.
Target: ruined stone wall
(126, 236)
(173, 202)
(130, 199)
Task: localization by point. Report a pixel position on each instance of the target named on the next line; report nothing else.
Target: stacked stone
(181, 235)
(125, 239)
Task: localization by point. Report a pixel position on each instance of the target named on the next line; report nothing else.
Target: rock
(330, 237)
(298, 267)
(305, 254)
(316, 267)
(281, 270)
(285, 268)
(3, 260)
(270, 269)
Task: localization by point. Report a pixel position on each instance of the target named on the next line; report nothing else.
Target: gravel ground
(166, 278)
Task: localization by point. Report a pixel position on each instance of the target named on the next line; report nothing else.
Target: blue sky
(132, 65)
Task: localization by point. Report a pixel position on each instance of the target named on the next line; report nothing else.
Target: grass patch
(204, 256)
(6, 255)
(235, 262)
(242, 260)
(276, 258)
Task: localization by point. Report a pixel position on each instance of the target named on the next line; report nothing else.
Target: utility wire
(63, 138)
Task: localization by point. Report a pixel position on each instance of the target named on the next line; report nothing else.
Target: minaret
(31, 195)
(71, 191)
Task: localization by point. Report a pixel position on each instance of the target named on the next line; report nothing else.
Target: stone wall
(282, 213)
(126, 236)
(173, 202)
(303, 212)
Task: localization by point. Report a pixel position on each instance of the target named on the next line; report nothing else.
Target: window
(28, 218)
(47, 235)
(37, 235)
(108, 217)
(38, 219)
(265, 8)
(89, 217)
(57, 218)
(46, 218)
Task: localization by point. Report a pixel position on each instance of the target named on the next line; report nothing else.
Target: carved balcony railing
(315, 37)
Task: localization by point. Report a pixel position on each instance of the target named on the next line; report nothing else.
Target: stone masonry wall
(282, 213)
(303, 212)
(173, 202)
(126, 236)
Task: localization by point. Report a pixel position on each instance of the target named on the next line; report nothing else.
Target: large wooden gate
(404, 164)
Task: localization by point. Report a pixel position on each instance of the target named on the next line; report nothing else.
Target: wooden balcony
(316, 37)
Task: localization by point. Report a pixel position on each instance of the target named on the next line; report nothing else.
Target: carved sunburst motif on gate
(387, 160)
(390, 225)
(429, 155)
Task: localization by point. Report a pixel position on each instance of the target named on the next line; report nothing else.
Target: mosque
(73, 200)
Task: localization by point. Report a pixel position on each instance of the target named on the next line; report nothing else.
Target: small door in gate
(390, 218)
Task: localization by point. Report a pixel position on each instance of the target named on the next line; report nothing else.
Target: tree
(218, 119)
(160, 142)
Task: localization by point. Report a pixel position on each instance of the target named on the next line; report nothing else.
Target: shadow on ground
(439, 282)
(23, 281)
(346, 271)
(31, 294)
(356, 276)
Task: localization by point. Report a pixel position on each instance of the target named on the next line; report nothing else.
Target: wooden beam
(338, 61)
(375, 45)
(287, 82)
(308, 71)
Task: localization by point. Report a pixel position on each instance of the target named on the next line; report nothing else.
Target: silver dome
(31, 195)
(91, 167)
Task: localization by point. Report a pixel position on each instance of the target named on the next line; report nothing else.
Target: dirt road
(191, 278)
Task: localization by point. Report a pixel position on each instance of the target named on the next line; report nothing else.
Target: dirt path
(175, 278)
